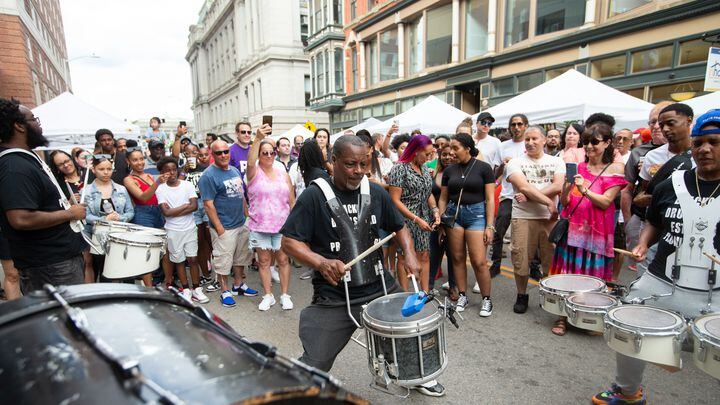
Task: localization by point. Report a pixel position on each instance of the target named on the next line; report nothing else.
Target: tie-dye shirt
(269, 201)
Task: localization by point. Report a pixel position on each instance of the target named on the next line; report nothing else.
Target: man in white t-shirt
(178, 202)
(509, 149)
(537, 179)
(488, 145)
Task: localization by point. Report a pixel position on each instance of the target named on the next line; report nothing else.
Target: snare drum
(101, 230)
(706, 333)
(587, 310)
(132, 254)
(408, 350)
(161, 233)
(554, 289)
(646, 333)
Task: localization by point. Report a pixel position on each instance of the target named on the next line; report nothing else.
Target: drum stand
(655, 297)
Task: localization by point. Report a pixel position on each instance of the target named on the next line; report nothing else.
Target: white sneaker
(446, 285)
(267, 301)
(286, 302)
(476, 288)
(199, 296)
(187, 293)
(462, 302)
(486, 308)
(274, 274)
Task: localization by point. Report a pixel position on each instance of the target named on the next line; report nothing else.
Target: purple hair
(417, 143)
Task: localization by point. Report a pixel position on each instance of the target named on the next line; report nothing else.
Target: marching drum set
(130, 250)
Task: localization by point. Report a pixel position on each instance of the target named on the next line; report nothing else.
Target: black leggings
(437, 251)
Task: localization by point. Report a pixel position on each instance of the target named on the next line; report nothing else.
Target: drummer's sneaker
(267, 301)
(199, 296)
(431, 388)
(244, 289)
(486, 308)
(462, 302)
(286, 302)
(227, 299)
(521, 304)
(614, 396)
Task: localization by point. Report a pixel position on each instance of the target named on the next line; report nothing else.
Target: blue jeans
(471, 216)
(148, 215)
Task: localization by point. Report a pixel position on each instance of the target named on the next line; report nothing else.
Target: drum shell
(553, 300)
(414, 350)
(706, 352)
(661, 346)
(125, 259)
(587, 317)
(101, 230)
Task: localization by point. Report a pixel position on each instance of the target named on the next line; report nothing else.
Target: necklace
(697, 186)
(465, 173)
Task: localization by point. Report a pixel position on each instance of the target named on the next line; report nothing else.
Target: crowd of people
(229, 208)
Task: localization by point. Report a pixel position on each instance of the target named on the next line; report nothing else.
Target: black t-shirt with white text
(665, 214)
(477, 175)
(24, 185)
(310, 222)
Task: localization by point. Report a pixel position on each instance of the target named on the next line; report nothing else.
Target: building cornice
(662, 17)
(324, 37)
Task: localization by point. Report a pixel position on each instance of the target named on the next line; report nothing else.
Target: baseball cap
(710, 117)
(154, 143)
(485, 116)
(185, 138)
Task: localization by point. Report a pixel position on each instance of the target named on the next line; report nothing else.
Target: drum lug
(702, 351)
(147, 256)
(570, 312)
(125, 253)
(638, 341)
(107, 250)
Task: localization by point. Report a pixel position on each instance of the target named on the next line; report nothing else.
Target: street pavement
(504, 359)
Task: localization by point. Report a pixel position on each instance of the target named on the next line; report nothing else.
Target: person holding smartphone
(411, 192)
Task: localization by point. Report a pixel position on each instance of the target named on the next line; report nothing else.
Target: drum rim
(665, 331)
(702, 334)
(118, 237)
(419, 326)
(545, 288)
(589, 308)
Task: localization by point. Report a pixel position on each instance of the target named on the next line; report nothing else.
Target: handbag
(447, 220)
(560, 230)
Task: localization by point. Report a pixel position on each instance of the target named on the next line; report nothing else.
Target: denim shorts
(471, 216)
(148, 215)
(199, 215)
(265, 241)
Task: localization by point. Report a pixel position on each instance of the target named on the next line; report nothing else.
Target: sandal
(559, 327)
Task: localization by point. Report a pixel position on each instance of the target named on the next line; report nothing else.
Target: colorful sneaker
(227, 299)
(286, 302)
(431, 389)
(212, 286)
(614, 396)
(486, 308)
(246, 291)
(267, 301)
(187, 293)
(199, 296)
(274, 274)
(462, 302)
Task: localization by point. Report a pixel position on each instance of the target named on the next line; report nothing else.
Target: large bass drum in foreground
(178, 348)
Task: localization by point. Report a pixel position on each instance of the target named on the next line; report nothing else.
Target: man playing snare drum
(313, 235)
(665, 226)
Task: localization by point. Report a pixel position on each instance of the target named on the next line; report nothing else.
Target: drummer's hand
(640, 252)
(332, 270)
(113, 216)
(412, 266)
(78, 211)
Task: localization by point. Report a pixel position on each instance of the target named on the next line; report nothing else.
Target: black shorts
(4, 248)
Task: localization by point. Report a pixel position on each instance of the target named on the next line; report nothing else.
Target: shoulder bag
(447, 220)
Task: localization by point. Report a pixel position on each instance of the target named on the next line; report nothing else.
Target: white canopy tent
(363, 125)
(293, 132)
(703, 104)
(430, 116)
(573, 96)
(67, 120)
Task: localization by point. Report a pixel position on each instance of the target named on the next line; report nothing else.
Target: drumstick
(368, 251)
(624, 252)
(711, 257)
(87, 175)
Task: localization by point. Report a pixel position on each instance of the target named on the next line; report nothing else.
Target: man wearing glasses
(488, 145)
(221, 188)
(43, 246)
(240, 149)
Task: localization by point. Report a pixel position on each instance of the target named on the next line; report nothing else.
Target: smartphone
(267, 119)
(192, 162)
(183, 123)
(570, 172)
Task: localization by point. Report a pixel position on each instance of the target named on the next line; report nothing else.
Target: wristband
(491, 227)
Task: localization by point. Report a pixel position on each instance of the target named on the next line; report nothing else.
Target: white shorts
(182, 244)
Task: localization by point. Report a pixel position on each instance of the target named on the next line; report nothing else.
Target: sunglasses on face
(221, 152)
(133, 149)
(245, 132)
(593, 141)
(103, 156)
(486, 123)
(268, 153)
(517, 124)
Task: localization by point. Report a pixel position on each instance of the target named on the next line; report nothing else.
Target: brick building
(34, 65)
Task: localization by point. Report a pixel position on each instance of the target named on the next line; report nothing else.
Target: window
(304, 28)
(353, 9)
(476, 27)
(407, 104)
(651, 59)
(318, 20)
(693, 51)
(439, 36)
(677, 91)
(637, 93)
(558, 15)
(553, 73)
(517, 21)
(308, 86)
(322, 72)
(389, 55)
(415, 45)
(608, 67)
(389, 108)
(337, 12)
(502, 87)
(377, 110)
(623, 6)
(366, 112)
(527, 82)
(372, 65)
(339, 79)
(353, 54)
(314, 65)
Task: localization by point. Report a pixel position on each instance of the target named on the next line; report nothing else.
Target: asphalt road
(504, 359)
